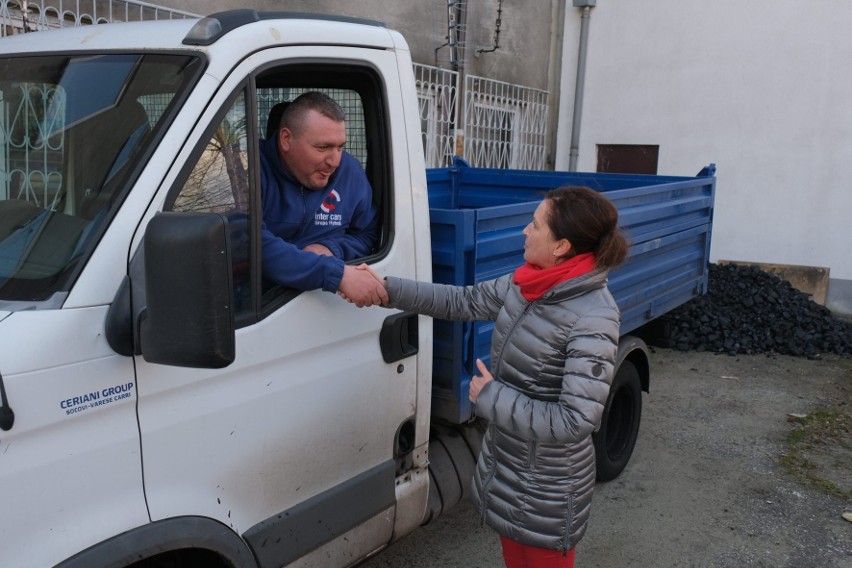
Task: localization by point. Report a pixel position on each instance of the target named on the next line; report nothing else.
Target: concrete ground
(705, 487)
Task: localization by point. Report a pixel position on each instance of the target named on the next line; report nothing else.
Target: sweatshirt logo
(328, 205)
(326, 216)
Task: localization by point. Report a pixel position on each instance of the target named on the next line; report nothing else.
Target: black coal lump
(749, 311)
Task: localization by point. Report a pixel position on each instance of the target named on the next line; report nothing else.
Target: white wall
(761, 88)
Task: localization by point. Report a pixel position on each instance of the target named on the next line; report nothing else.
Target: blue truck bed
(477, 217)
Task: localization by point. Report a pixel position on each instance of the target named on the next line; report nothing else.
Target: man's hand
(319, 249)
(362, 287)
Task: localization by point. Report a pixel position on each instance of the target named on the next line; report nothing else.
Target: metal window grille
(505, 124)
(155, 105)
(31, 161)
(437, 97)
(499, 124)
(17, 16)
(350, 101)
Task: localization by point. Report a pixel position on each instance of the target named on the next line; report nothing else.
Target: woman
(553, 350)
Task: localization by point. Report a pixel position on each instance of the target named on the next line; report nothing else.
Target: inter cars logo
(330, 203)
(326, 216)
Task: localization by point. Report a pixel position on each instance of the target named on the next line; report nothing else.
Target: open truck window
(225, 177)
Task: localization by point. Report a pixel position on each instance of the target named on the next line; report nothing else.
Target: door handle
(398, 338)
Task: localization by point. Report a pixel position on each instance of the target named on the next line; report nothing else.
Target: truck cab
(160, 400)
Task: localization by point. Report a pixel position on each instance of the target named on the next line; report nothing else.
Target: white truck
(162, 405)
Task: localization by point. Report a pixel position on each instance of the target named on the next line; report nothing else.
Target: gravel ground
(704, 487)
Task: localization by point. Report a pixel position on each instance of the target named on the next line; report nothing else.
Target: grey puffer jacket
(552, 360)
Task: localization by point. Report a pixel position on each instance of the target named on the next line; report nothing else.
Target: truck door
(293, 444)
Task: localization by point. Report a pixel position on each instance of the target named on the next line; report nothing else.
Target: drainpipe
(554, 79)
(587, 6)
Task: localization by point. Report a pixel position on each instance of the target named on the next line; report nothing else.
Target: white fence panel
(437, 95)
(500, 125)
(19, 16)
(505, 124)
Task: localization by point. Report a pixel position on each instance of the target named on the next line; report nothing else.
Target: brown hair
(294, 114)
(589, 221)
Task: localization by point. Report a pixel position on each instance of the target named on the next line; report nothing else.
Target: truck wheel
(192, 558)
(461, 454)
(446, 483)
(615, 440)
(451, 465)
(433, 506)
(472, 432)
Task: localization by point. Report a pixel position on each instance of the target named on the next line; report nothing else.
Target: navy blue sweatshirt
(340, 216)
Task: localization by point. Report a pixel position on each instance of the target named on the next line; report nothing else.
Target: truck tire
(446, 483)
(451, 465)
(472, 432)
(615, 440)
(433, 506)
(184, 559)
(462, 456)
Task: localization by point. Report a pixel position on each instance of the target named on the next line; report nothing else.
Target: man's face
(313, 153)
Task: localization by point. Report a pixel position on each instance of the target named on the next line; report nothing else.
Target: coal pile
(749, 311)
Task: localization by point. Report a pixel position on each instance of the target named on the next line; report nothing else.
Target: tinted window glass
(72, 132)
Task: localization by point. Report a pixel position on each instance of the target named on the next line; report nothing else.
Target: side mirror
(188, 320)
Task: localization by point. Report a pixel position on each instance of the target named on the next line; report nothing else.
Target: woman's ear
(563, 248)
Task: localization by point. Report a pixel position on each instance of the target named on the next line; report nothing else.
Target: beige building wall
(526, 40)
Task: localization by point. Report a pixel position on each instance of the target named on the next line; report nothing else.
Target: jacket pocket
(489, 443)
(532, 458)
(569, 521)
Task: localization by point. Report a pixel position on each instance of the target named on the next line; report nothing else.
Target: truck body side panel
(478, 215)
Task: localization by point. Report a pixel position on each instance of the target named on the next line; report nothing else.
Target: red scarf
(535, 281)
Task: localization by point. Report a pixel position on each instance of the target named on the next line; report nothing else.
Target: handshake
(362, 286)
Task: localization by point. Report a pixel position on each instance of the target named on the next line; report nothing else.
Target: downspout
(581, 81)
(457, 13)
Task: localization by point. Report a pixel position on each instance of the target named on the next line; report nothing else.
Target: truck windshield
(72, 131)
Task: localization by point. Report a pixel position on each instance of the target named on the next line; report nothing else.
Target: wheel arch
(167, 535)
(633, 349)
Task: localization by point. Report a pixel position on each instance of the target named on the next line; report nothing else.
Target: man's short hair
(293, 116)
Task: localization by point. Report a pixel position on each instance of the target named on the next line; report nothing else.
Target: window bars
(498, 125)
(18, 16)
(502, 125)
(437, 97)
(505, 124)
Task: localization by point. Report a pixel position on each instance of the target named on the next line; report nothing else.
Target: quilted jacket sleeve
(586, 378)
(481, 301)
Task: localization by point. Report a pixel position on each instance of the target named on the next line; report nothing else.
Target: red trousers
(517, 555)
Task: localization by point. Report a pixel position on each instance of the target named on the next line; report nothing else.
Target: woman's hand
(478, 382)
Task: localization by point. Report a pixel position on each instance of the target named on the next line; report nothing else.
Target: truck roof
(219, 32)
